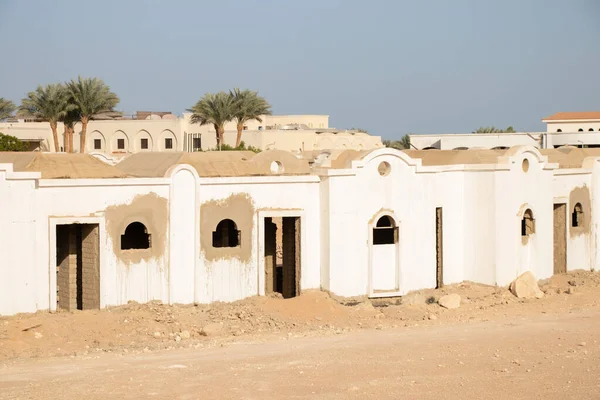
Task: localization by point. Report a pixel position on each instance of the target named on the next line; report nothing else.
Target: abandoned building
(221, 226)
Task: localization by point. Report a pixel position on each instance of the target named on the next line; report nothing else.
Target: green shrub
(11, 143)
(241, 147)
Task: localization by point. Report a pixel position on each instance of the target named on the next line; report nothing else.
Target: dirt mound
(156, 326)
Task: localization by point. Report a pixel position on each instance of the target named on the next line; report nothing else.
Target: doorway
(77, 267)
(282, 242)
(439, 249)
(384, 259)
(560, 238)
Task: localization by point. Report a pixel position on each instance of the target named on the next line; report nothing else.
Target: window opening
(591, 130)
(136, 236)
(121, 144)
(226, 234)
(144, 144)
(385, 231)
(527, 223)
(580, 129)
(577, 216)
(559, 130)
(168, 143)
(197, 143)
(97, 144)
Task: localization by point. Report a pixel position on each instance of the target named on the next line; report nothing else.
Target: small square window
(197, 144)
(97, 144)
(168, 143)
(144, 144)
(121, 144)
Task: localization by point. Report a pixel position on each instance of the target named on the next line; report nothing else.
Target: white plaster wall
(580, 248)
(231, 279)
(517, 191)
(119, 282)
(183, 243)
(356, 202)
(21, 281)
(573, 126)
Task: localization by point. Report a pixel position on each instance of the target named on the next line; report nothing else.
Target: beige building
(114, 138)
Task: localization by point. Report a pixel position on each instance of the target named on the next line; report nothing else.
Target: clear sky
(388, 66)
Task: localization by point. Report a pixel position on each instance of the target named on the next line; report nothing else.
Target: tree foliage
(47, 103)
(402, 144)
(492, 129)
(11, 143)
(247, 106)
(7, 108)
(90, 96)
(214, 109)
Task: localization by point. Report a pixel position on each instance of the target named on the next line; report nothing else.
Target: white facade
(369, 226)
(117, 138)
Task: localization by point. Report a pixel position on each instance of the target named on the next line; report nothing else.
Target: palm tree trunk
(66, 139)
(71, 132)
(221, 134)
(238, 139)
(84, 122)
(55, 136)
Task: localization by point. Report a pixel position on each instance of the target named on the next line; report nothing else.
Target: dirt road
(547, 357)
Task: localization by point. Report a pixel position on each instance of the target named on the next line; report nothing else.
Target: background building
(116, 136)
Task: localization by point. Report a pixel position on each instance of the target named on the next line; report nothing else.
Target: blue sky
(388, 66)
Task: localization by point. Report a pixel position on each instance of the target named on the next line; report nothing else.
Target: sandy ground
(493, 346)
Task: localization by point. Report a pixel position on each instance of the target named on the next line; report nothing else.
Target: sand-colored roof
(453, 157)
(60, 166)
(569, 157)
(213, 163)
(579, 115)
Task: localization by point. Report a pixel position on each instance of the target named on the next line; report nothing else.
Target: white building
(203, 227)
(115, 138)
(579, 129)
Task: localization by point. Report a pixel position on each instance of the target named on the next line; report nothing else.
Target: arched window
(559, 130)
(136, 236)
(385, 231)
(577, 216)
(527, 223)
(226, 234)
(580, 129)
(591, 130)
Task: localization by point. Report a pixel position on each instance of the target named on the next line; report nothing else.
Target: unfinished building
(187, 228)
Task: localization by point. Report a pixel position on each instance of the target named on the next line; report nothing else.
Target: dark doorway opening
(77, 267)
(282, 256)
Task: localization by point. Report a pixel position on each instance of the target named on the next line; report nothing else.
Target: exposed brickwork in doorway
(90, 266)
(291, 256)
(66, 277)
(270, 256)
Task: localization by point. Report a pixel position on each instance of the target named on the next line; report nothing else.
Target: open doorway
(282, 255)
(77, 267)
(560, 238)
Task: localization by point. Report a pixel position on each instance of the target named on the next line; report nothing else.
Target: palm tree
(47, 103)
(69, 120)
(493, 129)
(216, 109)
(405, 142)
(402, 144)
(91, 96)
(7, 107)
(248, 105)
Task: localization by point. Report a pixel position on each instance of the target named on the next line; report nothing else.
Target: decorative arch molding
(516, 154)
(143, 134)
(377, 154)
(119, 134)
(96, 134)
(167, 133)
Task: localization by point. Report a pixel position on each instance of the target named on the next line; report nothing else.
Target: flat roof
(60, 165)
(577, 115)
